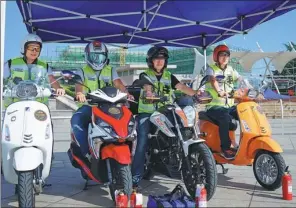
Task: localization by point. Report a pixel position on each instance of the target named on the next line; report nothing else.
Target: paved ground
(238, 188)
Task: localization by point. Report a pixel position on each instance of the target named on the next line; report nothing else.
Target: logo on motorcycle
(40, 115)
(114, 110)
(13, 118)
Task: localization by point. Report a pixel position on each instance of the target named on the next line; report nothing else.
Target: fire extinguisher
(136, 200)
(121, 199)
(287, 185)
(200, 196)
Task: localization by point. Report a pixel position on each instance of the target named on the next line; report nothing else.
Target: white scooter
(27, 136)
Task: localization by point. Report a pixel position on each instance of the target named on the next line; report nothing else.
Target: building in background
(130, 63)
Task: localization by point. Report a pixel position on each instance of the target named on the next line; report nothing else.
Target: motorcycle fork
(37, 181)
(182, 143)
(109, 171)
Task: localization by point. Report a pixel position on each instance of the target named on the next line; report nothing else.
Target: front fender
(190, 142)
(120, 153)
(27, 158)
(263, 143)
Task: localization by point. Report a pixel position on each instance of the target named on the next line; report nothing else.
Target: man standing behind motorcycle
(220, 110)
(21, 67)
(96, 74)
(165, 82)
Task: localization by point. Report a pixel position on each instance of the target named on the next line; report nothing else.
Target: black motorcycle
(174, 147)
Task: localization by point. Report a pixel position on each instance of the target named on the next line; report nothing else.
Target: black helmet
(157, 52)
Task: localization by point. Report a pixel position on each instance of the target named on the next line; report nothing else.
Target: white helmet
(96, 55)
(30, 38)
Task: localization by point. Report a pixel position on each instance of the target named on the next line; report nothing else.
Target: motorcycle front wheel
(122, 179)
(25, 189)
(203, 168)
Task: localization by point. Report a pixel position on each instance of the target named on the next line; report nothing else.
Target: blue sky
(270, 35)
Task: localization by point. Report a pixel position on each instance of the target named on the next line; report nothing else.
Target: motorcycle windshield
(29, 84)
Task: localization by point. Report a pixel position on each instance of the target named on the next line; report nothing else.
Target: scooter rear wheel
(268, 168)
(25, 189)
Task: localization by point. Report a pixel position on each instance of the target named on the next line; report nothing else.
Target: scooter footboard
(27, 158)
(121, 153)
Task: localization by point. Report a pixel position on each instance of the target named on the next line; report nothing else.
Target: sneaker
(228, 154)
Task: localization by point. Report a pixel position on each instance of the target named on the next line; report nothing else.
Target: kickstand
(224, 170)
(85, 186)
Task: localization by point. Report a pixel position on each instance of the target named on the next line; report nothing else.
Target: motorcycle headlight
(26, 90)
(190, 114)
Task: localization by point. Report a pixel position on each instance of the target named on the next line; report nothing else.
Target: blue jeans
(79, 122)
(143, 129)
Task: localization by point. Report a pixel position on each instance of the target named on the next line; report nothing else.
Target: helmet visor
(97, 58)
(224, 53)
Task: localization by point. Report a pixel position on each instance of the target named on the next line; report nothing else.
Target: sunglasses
(34, 48)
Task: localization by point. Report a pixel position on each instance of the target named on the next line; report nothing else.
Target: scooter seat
(203, 116)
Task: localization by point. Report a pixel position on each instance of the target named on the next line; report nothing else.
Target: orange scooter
(256, 146)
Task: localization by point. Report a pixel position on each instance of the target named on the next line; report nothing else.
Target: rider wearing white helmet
(96, 74)
(21, 66)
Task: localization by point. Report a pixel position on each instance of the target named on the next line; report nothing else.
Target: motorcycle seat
(203, 116)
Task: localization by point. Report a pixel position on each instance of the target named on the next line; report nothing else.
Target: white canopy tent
(248, 59)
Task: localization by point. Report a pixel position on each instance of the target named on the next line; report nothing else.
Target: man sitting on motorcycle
(96, 74)
(157, 60)
(220, 110)
(21, 67)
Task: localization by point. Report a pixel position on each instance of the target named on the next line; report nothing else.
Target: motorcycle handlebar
(159, 99)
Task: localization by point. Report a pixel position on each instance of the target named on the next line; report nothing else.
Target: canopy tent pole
(272, 78)
(3, 14)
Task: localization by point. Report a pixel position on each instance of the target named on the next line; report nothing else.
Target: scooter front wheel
(122, 179)
(25, 189)
(269, 167)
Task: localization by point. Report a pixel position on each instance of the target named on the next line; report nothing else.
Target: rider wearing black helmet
(165, 82)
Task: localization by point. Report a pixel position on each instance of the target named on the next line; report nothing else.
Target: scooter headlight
(190, 114)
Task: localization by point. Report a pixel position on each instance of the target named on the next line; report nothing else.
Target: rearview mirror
(253, 93)
(204, 80)
(17, 80)
(144, 79)
(70, 75)
(219, 78)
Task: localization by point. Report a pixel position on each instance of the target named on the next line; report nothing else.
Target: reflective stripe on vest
(93, 82)
(229, 78)
(20, 69)
(163, 83)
